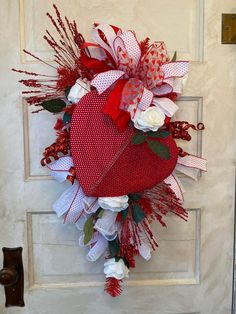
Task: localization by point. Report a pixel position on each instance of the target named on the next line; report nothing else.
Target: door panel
(191, 272)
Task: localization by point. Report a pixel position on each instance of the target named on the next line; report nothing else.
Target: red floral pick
(113, 287)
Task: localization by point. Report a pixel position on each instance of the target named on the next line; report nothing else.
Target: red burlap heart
(106, 162)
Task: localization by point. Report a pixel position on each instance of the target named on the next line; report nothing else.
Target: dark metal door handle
(12, 276)
(8, 276)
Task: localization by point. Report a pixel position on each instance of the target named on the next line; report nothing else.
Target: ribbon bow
(137, 77)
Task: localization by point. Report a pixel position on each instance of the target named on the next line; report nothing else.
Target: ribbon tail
(191, 165)
(144, 250)
(176, 186)
(106, 225)
(98, 249)
(168, 106)
(70, 203)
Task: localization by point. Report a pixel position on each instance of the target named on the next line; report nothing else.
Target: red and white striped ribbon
(60, 168)
(190, 166)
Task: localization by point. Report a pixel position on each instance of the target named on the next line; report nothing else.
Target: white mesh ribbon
(107, 225)
(60, 168)
(81, 221)
(71, 203)
(91, 204)
(144, 250)
(98, 245)
(92, 241)
(97, 249)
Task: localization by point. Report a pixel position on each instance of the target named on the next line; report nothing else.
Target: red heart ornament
(106, 161)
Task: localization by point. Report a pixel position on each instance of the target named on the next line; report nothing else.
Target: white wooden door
(192, 270)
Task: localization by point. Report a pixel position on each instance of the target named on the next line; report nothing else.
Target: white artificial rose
(77, 91)
(115, 204)
(115, 269)
(149, 120)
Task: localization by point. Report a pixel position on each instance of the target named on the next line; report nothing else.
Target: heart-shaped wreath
(115, 141)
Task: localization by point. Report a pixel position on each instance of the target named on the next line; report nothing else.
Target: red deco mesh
(106, 162)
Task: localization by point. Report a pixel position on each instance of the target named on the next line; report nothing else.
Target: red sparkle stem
(134, 237)
(149, 233)
(60, 22)
(32, 73)
(58, 29)
(37, 111)
(71, 52)
(30, 54)
(69, 63)
(32, 92)
(59, 63)
(74, 34)
(57, 47)
(137, 233)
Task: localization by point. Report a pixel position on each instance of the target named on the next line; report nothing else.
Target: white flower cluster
(115, 269)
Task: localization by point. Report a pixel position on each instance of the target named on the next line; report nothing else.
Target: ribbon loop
(110, 35)
(127, 43)
(104, 80)
(147, 74)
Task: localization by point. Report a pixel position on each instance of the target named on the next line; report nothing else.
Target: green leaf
(138, 213)
(66, 118)
(135, 197)
(67, 91)
(138, 138)
(54, 105)
(124, 214)
(99, 212)
(174, 58)
(158, 134)
(88, 230)
(159, 149)
(114, 247)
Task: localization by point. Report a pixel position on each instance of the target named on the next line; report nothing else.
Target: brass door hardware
(229, 28)
(12, 276)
